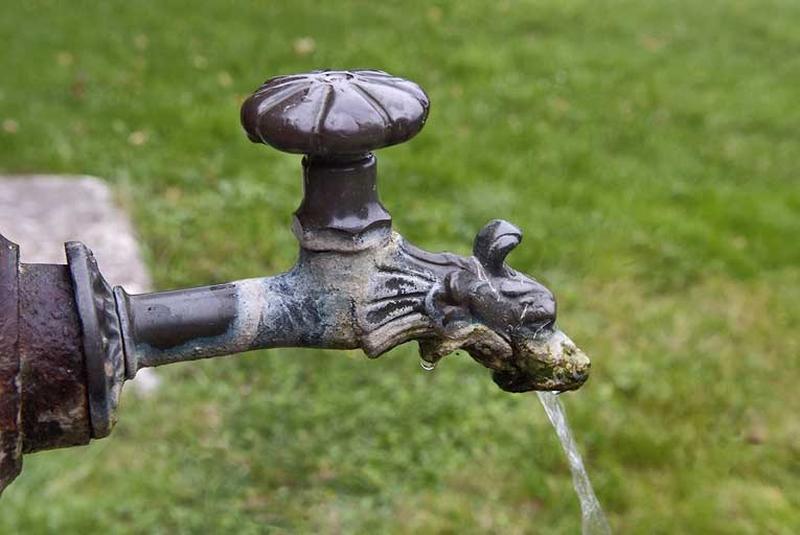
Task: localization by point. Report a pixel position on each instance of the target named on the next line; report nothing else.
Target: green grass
(649, 151)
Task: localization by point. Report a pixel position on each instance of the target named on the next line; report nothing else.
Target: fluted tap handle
(335, 114)
(337, 118)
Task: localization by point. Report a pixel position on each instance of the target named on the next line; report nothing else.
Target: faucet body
(372, 300)
(68, 340)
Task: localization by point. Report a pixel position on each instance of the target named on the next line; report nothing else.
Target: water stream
(592, 517)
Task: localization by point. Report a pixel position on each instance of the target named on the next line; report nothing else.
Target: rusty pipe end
(10, 416)
(61, 357)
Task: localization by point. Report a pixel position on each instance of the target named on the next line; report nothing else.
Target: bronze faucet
(68, 341)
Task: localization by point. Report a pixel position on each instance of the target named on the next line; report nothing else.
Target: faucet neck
(341, 210)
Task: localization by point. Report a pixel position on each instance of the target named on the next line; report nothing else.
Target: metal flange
(102, 341)
(10, 419)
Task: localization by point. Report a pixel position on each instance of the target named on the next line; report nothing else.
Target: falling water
(427, 365)
(593, 520)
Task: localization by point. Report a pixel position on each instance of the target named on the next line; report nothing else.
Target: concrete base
(41, 212)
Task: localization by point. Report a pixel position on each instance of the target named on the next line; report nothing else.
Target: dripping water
(427, 365)
(593, 519)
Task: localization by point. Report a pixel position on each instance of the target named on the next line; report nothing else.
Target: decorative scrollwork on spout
(502, 318)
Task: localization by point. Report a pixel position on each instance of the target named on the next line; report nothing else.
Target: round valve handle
(336, 118)
(335, 114)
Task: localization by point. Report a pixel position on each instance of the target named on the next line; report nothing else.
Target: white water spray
(593, 519)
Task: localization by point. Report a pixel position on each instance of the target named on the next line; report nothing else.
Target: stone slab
(41, 212)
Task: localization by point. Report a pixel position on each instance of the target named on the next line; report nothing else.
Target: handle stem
(341, 210)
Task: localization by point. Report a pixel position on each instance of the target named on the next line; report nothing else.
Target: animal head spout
(504, 319)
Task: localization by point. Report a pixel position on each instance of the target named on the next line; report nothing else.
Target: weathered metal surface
(160, 326)
(504, 319)
(295, 309)
(357, 284)
(10, 425)
(340, 209)
(335, 114)
(55, 411)
(374, 300)
(102, 340)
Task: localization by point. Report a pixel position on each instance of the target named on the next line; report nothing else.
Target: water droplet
(427, 366)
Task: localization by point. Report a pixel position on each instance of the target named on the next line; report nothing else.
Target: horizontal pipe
(54, 398)
(165, 327)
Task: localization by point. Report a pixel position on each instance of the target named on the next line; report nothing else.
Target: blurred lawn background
(649, 151)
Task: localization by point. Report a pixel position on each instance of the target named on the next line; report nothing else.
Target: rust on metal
(10, 433)
(102, 340)
(55, 410)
